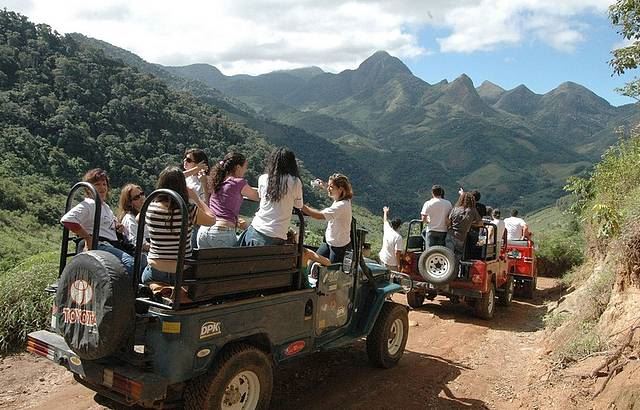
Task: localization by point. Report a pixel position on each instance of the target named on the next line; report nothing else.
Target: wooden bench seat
(216, 272)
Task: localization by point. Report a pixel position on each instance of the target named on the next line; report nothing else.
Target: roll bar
(184, 212)
(95, 235)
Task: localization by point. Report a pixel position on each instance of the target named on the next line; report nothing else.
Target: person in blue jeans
(280, 190)
(79, 220)
(228, 189)
(164, 219)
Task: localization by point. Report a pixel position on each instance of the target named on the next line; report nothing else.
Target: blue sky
(539, 43)
(532, 63)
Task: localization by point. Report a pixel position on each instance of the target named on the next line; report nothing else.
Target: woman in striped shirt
(164, 219)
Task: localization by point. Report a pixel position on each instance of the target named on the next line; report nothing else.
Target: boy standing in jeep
(435, 212)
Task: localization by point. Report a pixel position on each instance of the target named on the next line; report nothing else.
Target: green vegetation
(559, 239)
(24, 305)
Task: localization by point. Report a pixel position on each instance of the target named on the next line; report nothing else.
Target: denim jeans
(334, 253)
(254, 238)
(154, 275)
(125, 258)
(217, 237)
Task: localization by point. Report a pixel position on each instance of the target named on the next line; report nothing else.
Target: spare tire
(95, 304)
(438, 264)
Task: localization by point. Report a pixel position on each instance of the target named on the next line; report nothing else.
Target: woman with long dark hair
(463, 216)
(164, 219)
(228, 187)
(280, 190)
(338, 215)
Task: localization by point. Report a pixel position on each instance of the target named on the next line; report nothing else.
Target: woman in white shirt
(280, 190)
(338, 215)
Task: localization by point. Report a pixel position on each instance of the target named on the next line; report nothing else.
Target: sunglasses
(189, 160)
(135, 198)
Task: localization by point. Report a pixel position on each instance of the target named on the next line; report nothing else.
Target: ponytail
(222, 169)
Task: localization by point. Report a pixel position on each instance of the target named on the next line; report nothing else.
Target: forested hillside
(66, 108)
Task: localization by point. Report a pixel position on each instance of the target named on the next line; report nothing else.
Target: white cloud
(255, 36)
(490, 24)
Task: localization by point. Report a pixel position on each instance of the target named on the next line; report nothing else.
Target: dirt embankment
(452, 360)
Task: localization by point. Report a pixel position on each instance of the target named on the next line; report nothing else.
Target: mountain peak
(490, 92)
(381, 61)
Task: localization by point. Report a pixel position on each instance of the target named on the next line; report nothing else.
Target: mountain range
(395, 135)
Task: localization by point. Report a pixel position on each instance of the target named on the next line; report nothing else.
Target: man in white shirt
(516, 227)
(499, 223)
(391, 251)
(435, 212)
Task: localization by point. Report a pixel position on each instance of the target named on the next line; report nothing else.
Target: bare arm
(250, 193)
(206, 216)
(312, 212)
(81, 232)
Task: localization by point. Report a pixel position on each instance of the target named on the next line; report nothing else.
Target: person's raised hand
(385, 209)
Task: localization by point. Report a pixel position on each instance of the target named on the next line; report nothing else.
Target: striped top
(164, 231)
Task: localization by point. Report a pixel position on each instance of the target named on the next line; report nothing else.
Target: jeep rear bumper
(123, 383)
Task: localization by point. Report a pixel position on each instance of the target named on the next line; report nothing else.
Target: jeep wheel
(438, 264)
(506, 296)
(530, 288)
(242, 378)
(386, 342)
(415, 299)
(486, 305)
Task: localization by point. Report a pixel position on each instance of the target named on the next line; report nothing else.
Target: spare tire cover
(95, 304)
(438, 264)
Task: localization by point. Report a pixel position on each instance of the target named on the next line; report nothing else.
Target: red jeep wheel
(486, 305)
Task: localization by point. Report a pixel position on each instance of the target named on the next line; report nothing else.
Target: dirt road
(452, 361)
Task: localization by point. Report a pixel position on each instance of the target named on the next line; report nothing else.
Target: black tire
(388, 338)
(415, 299)
(506, 296)
(529, 290)
(95, 305)
(438, 264)
(241, 362)
(485, 307)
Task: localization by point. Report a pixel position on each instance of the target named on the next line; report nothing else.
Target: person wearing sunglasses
(79, 220)
(196, 170)
(338, 216)
(131, 200)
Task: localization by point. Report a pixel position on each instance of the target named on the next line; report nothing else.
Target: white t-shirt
(194, 183)
(338, 216)
(272, 218)
(131, 228)
(391, 242)
(83, 214)
(515, 227)
(499, 223)
(437, 209)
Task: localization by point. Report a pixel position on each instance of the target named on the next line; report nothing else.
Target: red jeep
(480, 275)
(522, 266)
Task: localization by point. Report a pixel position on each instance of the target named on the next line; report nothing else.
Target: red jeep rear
(480, 275)
(522, 265)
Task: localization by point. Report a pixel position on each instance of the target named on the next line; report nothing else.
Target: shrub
(24, 305)
(558, 252)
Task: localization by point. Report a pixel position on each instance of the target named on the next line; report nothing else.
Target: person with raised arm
(338, 216)
(391, 250)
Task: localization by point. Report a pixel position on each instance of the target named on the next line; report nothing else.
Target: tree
(625, 14)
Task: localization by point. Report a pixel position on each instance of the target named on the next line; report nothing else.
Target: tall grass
(24, 307)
